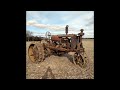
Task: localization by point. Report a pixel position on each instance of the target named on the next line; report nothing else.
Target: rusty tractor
(59, 45)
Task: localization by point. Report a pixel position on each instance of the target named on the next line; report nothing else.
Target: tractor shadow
(70, 58)
(48, 74)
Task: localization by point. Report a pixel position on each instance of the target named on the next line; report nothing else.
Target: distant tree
(29, 34)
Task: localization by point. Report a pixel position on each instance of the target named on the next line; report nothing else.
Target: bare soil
(60, 67)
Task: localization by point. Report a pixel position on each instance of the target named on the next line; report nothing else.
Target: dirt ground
(56, 67)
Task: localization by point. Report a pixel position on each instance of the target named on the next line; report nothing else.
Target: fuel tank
(55, 38)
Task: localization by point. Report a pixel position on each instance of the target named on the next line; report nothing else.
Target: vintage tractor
(59, 45)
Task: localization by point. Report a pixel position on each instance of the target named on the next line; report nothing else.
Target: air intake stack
(66, 29)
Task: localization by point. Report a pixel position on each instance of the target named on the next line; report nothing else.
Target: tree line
(30, 37)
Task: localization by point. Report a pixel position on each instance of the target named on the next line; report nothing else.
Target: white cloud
(38, 34)
(45, 26)
(75, 19)
(31, 22)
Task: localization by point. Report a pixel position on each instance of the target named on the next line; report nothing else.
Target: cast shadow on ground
(70, 57)
(48, 74)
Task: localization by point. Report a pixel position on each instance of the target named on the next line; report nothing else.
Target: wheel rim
(30, 53)
(82, 60)
(36, 53)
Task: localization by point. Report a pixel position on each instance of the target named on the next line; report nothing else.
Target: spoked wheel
(36, 52)
(81, 59)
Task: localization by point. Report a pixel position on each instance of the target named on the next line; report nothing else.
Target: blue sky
(39, 22)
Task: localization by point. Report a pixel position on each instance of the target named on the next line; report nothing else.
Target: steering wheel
(48, 35)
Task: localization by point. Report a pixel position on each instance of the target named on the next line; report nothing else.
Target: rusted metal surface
(68, 35)
(55, 38)
(61, 44)
(58, 48)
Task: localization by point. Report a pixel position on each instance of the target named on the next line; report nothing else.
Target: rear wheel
(36, 52)
(30, 53)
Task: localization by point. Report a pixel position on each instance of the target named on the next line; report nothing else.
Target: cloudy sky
(39, 22)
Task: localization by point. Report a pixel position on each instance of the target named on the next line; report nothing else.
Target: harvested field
(60, 67)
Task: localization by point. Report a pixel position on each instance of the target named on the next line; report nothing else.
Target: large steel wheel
(36, 52)
(30, 53)
(81, 59)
